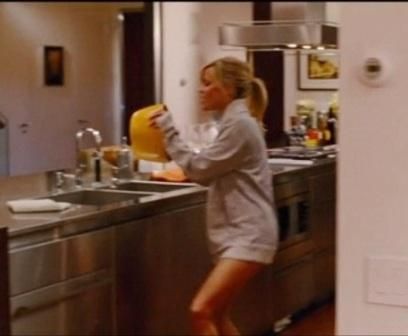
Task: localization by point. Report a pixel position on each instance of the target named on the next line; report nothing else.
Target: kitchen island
(132, 267)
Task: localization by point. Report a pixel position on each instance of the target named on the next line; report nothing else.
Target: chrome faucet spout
(96, 135)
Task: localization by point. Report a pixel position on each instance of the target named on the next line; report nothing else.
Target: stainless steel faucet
(97, 154)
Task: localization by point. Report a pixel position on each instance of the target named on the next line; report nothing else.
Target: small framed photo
(53, 66)
(318, 70)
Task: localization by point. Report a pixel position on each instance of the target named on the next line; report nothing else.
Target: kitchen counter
(53, 224)
(158, 225)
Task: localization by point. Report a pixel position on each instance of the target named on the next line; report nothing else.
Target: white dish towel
(37, 205)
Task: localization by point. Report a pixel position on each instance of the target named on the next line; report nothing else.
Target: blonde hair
(239, 75)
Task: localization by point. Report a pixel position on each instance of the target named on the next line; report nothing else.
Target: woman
(241, 222)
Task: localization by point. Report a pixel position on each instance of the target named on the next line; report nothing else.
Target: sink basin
(150, 186)
(98, 197)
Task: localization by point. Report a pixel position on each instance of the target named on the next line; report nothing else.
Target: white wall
(213, 15)
(372, 174)
(88, 33)
(190, 40)
(333, 11)
(180, 60)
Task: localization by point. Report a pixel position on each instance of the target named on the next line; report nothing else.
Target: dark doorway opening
(138, 62)
(268, 66)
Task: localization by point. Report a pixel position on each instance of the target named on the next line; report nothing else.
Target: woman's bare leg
(209, 309)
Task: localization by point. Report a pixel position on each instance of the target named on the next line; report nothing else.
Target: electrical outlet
(387, 280)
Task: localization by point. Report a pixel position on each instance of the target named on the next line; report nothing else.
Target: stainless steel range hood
(296, 25)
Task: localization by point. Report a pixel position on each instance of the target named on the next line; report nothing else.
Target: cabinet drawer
(290, 189)
(324, 274)
(80, 306)
(44, 264)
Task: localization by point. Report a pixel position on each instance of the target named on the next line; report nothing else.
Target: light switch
(387, 280)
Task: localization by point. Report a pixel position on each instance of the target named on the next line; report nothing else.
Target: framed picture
(318, 70)
(53, 66)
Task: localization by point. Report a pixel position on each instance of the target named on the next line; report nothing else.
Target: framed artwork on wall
(318, 70)
(53, 66)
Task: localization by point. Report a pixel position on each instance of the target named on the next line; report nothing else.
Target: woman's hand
(153, 117)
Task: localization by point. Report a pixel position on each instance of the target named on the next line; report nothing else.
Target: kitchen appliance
(147, 142)
(293, 209)
(296, 25)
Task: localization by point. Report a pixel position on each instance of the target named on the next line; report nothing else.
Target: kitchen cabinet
(254, 310)
(81, 306)
(292, 288)
(323, 228)
(4, 284)
(161, 262)
(70, 289)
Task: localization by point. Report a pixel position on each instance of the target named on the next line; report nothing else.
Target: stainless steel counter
(29, 228)
(26, 229)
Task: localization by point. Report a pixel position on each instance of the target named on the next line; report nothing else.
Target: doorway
(138, 62)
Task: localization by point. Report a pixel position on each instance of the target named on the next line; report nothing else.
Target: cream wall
(372, 171)
(90, 35)
(88, 32)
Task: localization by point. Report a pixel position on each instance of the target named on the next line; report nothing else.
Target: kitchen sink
(152, 186)
(98, 197)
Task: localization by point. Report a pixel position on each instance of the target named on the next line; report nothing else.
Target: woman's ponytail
(258, 99)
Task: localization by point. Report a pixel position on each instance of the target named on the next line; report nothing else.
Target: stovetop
(301, 153)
